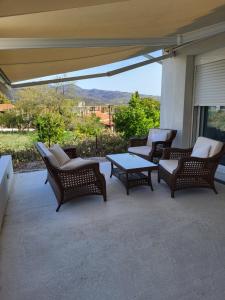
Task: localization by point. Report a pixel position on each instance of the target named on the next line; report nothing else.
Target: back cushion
(201, 151)
(213, 145)
(59, 154)
(53, 160)
(43, 150)
(157, 134)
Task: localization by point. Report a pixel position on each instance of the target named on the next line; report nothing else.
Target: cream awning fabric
(94, 19)
(24, 64)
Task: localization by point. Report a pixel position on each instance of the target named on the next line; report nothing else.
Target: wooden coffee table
(129, 169)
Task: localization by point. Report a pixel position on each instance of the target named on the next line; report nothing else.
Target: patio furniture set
(71, 176)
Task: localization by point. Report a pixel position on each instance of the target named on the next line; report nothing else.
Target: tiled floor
(143, 246)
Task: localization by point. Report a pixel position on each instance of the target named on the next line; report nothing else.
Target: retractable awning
(48, 37)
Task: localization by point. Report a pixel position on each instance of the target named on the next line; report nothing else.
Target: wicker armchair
(68, 183)
(180, 169)
(152, 150)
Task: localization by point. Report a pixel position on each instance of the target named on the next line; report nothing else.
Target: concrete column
(176, 97)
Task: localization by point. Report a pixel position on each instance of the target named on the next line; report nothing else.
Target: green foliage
(3, 98)
(138, 117)
(33, 102)
(88, 126)
(106, 142)
(217, 119)
(11, 119)
(50, 128)
(20, 145)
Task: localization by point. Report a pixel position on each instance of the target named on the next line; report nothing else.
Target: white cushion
(215, 146)
(169, 164)
(141, 150)
(157, 134)
(160, 136)
(76, 163)
(201, 151)
(59, 154)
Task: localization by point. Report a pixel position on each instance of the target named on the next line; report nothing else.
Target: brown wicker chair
(83, 180)
(138, 146)
(181, 170)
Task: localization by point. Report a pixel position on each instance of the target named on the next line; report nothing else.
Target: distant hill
(96, 96)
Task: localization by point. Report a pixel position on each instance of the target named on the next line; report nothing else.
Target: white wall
(6, 168)
(210, 56)
(6, 182)
(176, 97)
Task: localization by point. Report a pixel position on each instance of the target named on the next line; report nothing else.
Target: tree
(34, 101)
(50, 128)
(138, 117)
(88, 126)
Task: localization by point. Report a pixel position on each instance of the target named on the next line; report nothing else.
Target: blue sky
(145, 80)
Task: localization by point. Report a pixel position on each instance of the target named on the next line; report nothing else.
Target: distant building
(105, 118)
(5, 107)
(81, 104)
(103, 112)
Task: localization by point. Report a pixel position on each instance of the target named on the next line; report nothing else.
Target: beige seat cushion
(75, 163)
(141, 150)
(169, 164)
(59, 154)
(215, 146)
(157, 134)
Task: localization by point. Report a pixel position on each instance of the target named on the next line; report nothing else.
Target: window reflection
(214, 124)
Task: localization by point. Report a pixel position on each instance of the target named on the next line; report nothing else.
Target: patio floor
(143, 246)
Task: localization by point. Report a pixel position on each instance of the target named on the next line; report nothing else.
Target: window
(212, 123)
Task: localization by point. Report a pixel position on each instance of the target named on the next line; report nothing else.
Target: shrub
(50, 128)
(88, 126)
(138, 117)
(20, 145)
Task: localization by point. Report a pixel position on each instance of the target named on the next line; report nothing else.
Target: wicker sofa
(76, 177)
(151, 147)
(194, 167)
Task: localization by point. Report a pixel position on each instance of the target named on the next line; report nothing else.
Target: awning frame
(91, 76)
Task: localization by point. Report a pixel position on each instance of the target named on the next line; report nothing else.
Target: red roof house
(6, 106)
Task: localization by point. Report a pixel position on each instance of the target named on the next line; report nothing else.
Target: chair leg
(105, 197)
(158, 178)
(172, 194)
(46, 181)
(58, 207)
(215, 190)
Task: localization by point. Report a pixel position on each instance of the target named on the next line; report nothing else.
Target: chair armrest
(82, 175)
(176, 153)
(160, 145)
(138, 141)
(70, 151)
(189, 166)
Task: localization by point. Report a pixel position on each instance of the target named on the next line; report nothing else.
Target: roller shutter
(210, 84)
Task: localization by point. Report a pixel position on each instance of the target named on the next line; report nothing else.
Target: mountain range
(97, 96)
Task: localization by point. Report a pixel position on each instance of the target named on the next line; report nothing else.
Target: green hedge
(106, 143)
(25, 151)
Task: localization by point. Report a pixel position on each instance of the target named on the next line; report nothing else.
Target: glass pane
(214, 124)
